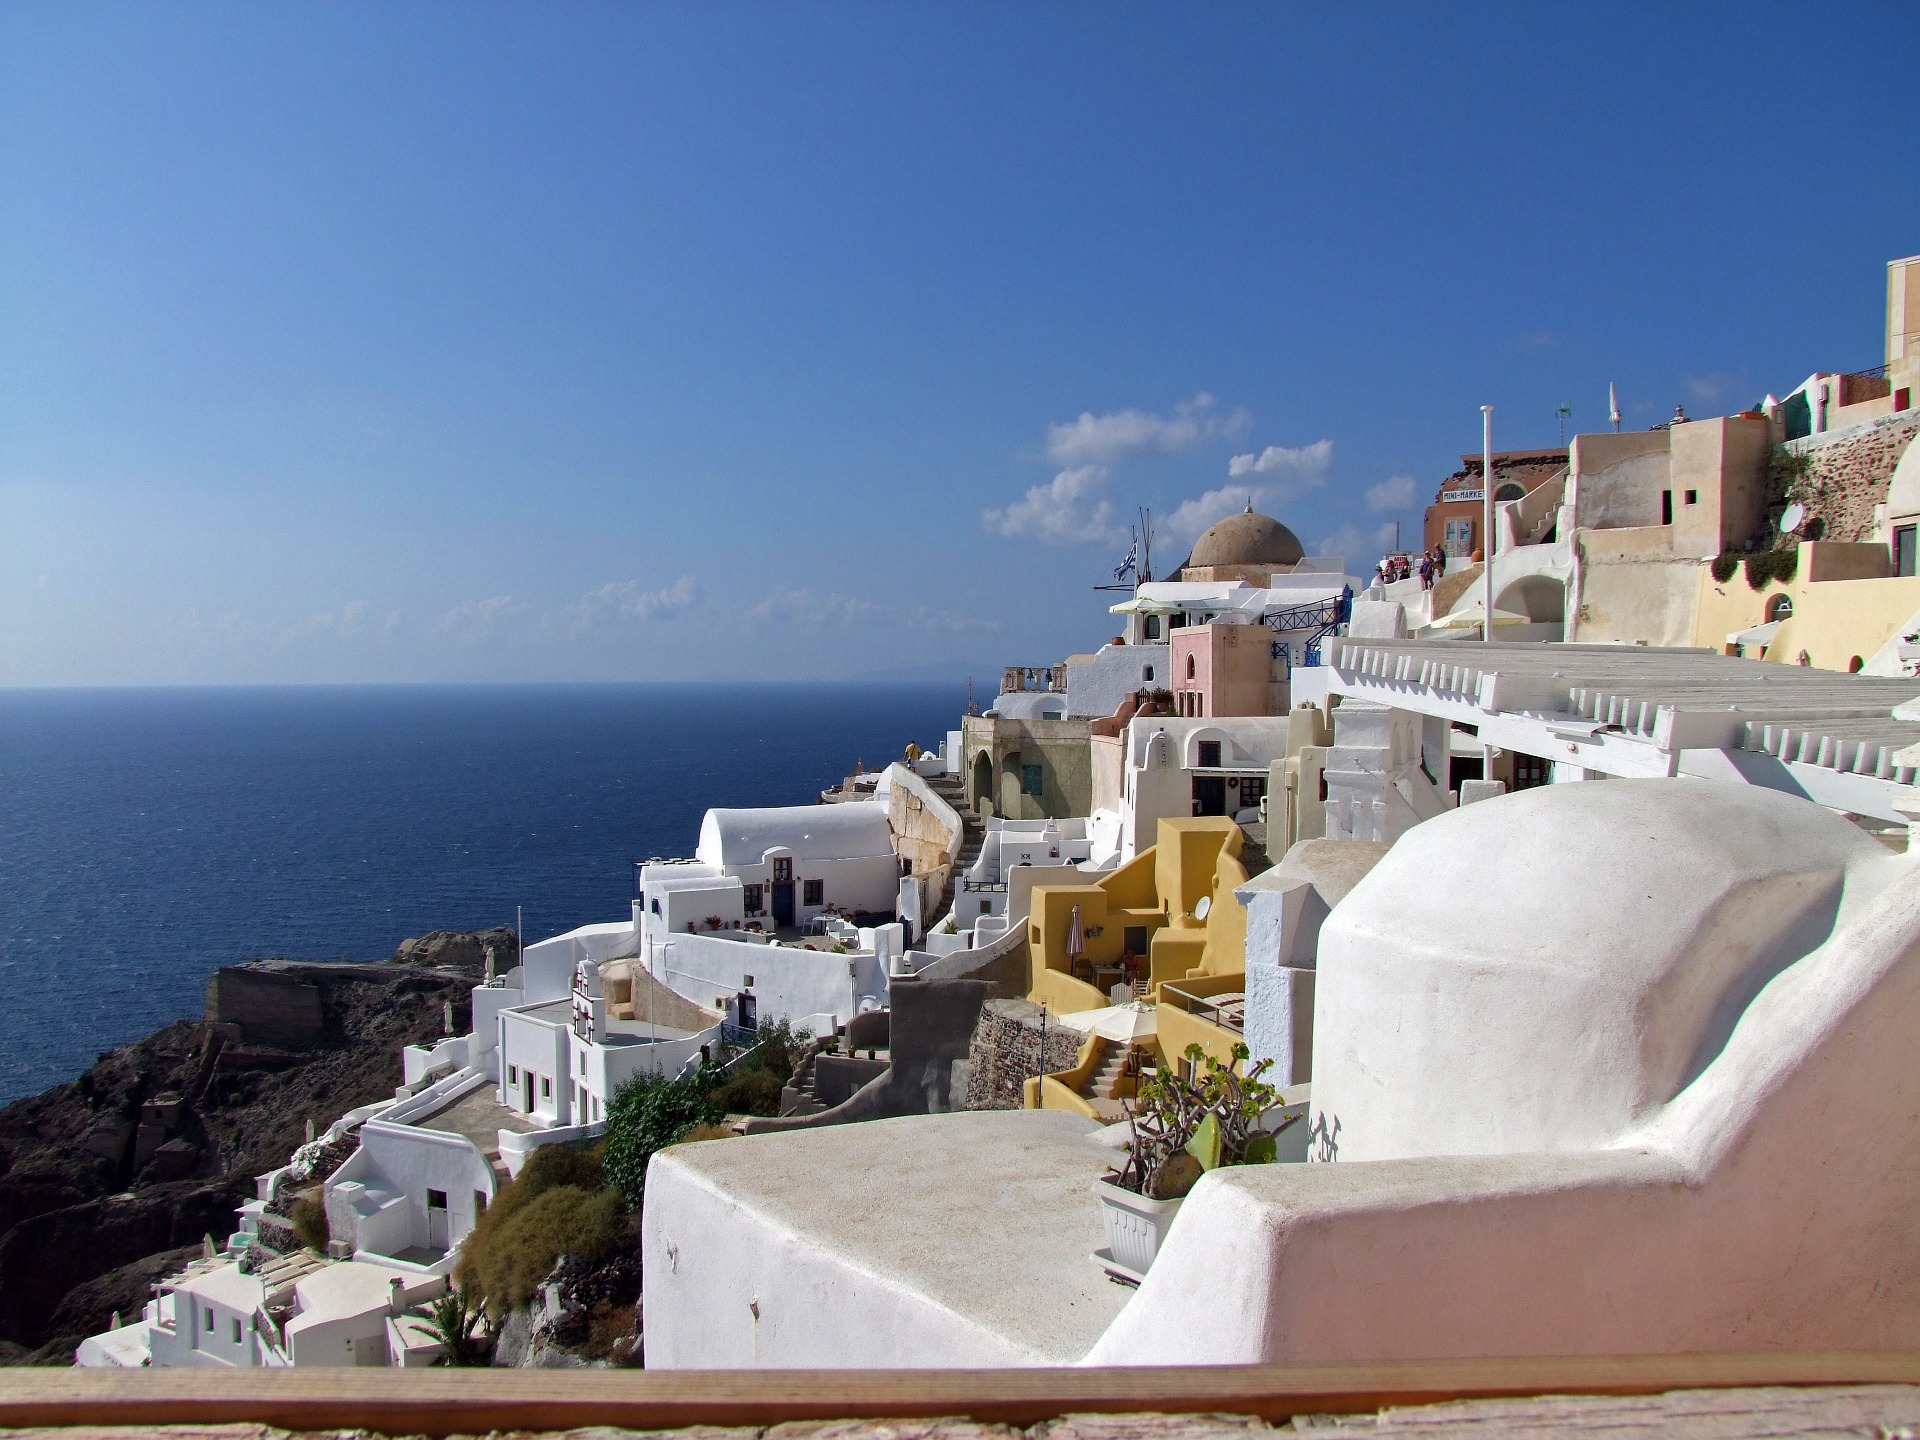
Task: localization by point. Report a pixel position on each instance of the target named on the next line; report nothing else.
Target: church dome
(1246, 539)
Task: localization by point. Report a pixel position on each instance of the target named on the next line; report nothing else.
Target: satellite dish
(1206, 904)
(1792, 517)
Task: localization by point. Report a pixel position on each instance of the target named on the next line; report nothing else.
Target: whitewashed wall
(1098, 684)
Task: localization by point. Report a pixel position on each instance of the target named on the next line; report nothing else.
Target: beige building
(1027, 769)
(1645, 509)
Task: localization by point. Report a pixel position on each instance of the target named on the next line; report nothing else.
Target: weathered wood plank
(1861, 1412)
(445, 1402)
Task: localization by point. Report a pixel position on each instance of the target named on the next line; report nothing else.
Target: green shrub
(777, 1048)
(1723, 567)
(749, 1092)
(560, 1205)
(308, 1216)
(648, 1114)
(1765, 566)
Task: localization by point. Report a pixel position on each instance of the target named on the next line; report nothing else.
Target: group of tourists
(1431, 565)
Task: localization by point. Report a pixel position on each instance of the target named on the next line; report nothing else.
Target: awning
(1141, 605)
(1755, 634)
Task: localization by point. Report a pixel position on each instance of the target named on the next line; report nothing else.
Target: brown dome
(1246, 539)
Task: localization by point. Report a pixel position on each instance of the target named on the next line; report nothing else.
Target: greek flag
(1130, 565)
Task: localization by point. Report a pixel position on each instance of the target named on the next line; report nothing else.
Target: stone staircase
(1106, 1075)
(797, 1095)
(973, 833)
(1099, 1086)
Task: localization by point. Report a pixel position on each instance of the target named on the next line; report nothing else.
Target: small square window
(813, 892)
(546, 1087)
(1209, 754)
(513, 1074)
(1905, 551)
(1693, 497)
(436, 1199)
(1032, 781)
(479, 1203)
(236, 1329)
(750, 899)
(986, 907)
(209, 1322)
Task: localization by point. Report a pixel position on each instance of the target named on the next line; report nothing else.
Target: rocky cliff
(151, 1148)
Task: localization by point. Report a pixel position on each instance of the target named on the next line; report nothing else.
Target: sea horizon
(156, 833)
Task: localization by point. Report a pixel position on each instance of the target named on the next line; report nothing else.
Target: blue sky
(433, 342)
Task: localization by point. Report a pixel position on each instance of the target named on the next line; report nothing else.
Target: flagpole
(1486, 510)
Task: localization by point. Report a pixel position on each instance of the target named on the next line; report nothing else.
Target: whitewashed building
(994, 894)
(1660, 1104)
(1174, 766)
(224, 1314)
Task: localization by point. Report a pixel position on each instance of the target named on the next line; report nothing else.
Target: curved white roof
(855, 830)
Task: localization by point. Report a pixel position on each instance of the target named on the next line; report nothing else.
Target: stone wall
(1006, 1052)
(263, 1007)
(1848, 471)
(927, 834)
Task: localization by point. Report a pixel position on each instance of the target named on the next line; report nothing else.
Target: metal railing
(1195, 1004)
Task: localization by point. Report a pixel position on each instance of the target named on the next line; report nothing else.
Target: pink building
(1226, 670)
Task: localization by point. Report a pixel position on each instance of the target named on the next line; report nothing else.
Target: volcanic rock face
(153, 1147)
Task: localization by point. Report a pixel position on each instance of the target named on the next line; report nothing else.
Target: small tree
(459, 1325)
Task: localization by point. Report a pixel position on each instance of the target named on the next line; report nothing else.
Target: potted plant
(1182, 1128)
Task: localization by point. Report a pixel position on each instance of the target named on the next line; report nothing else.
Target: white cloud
(1706, 389)
(1361, 548)
(1120, 434)
(344, 622)
(948, 622)
(1067, 510)
(626, 599)
(818, 611)
(1290, 472)
(477, 617)
(1308, 462)
(1195, 515)
(1396, 492)
(830, 609)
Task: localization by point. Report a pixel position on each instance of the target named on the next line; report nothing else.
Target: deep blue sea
(148, 837)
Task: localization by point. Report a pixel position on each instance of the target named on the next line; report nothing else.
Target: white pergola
(1851, 742)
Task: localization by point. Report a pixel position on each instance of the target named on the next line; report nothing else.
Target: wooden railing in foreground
(439, 1402)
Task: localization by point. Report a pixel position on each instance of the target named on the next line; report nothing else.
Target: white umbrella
(1473, 617)
(1125, 1023)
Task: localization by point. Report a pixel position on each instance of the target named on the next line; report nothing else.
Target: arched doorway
(982, 787)
(1541, 598)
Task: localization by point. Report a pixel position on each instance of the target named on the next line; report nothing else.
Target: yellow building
(1840, 609)
(1167, 923)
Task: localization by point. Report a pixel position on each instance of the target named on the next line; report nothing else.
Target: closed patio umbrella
(1127, 1023)
(1471, 617)
(1076, 938)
